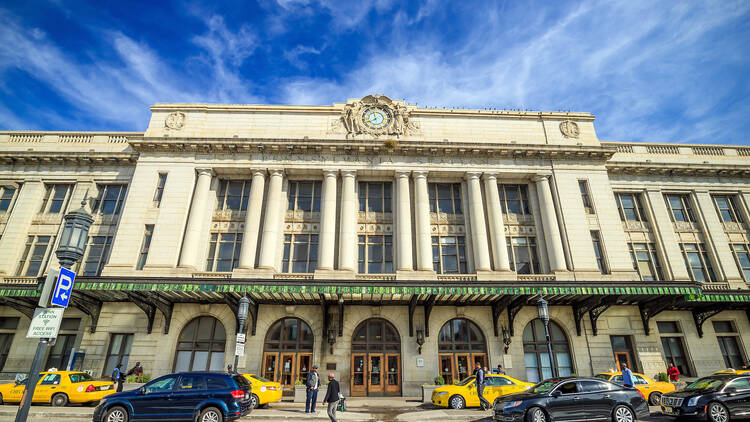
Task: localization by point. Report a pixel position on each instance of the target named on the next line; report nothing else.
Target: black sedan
(716, 398)
(568, 399)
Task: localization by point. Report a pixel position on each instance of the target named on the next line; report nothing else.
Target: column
(666, 237)
(403, 222)
(717, 241)
(422, 221)
(252, 220)
(478, 229)
(497, 227)
(28, 202)
(327, 220)
(269, 243)
(348, 231)
(196, 219)
(549, 223)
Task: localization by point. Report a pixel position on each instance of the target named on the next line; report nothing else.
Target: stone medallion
(569, 128)
(175, 120)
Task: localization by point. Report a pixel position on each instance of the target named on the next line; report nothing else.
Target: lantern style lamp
(420, 339)
(75, 234)
(331, 338)
(543, 309)
(242, 308)
(506, 339)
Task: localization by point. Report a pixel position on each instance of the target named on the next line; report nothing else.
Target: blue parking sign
(63, 288)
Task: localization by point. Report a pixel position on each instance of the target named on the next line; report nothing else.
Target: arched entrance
(200, 346)
(461, 345)
(535, 351)
(376, 359)
(287, 352)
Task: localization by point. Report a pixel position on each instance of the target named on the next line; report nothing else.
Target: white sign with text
(45, 323)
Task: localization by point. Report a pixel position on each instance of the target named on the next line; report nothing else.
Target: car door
(596, 399)
(16, 392)
(505, 386)
(48, 385)
(564, 403)
(190, 390)
(738, 397)
(152, 402)
(491, 389)
(471, 396)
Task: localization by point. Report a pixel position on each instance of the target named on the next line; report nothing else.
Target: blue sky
(650, 71)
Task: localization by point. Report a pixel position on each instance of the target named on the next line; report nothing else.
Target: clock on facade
(376, 118)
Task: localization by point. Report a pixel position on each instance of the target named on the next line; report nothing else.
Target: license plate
(670, 411)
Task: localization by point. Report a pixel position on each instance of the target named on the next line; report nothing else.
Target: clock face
(376, 118)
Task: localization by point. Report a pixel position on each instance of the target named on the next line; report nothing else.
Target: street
(400, 409)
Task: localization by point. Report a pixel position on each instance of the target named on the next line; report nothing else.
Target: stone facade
(205, 177)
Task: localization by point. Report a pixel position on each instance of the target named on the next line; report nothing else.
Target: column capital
(348, 173)
(489, 176)
(402, 173)
(205, 171)
(419, 174)
(330, 173)
(472, 175)
(543, 177)
(276, 172)
(258, 171)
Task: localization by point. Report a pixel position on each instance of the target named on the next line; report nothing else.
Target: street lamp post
(242, 309)
(543, 309)
(72, 245)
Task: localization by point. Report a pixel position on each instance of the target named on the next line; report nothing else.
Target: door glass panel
(269, 367)
(287, 363)
(446, 368)
(304, 366)
(462, 363)
(359, 370)
(393, 370)
(375, 370)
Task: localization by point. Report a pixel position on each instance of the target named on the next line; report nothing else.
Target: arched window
(535, 351)
(287, 352)
(201, 346)
(461, 346)
(376, 359)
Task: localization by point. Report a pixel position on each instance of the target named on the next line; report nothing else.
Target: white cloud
(293, 55)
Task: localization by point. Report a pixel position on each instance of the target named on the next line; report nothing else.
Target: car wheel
(254, 401)
(717, 412)
(457, 402)
(654, 399)
(623, 414)
(59, 400)
(536, 414)
(116, 414)
(211, 414)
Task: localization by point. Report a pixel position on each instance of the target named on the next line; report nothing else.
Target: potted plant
(427, 389)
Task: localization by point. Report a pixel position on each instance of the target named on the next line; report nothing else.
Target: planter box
(300, 393)
(427, 392)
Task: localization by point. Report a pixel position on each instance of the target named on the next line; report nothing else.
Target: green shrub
(299, 382)
(573, 374)
(662, 376)
(138, 379)
(439, 380)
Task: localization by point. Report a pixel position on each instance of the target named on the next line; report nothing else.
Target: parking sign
(63, 288)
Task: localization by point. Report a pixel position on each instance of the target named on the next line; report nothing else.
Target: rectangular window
(599, 252)
(723, 327)
(646, 261)
(59, 356)
(7, 194)
(668, 327)
(160, 189)
(630, 206)
(304, 196)
(35, 256)
(110, 200)
(445, 198)
(514, 199)
(233, 194)
(375, 196)
(674, 352)
(55, 198)
(449, 254)
(300, 253)
(727, 208)
(98, 254)
(697, 262)
(6, 338)
(679, 205)
(583, 186)
(224, 252)
(523, 255)
(742, 257)
(147, 234)
(118, 353)
(375, 254)
(730, 351)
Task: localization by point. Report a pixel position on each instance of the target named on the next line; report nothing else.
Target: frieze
(635, 225)
(733, 226)
(228, 226)
(374, 217)
(301, 228)
(375, 229)
(228, 215)
(509, 218)
(520, 230)
(297, 215)
(445, 229)
(445, 218)
(684, 226)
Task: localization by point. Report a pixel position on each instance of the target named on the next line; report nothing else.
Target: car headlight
(442, 393)
(512, 404)
(693, 401)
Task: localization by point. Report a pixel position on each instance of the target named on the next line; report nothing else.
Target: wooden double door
(376, 374)
(457, 366)
(286, 368)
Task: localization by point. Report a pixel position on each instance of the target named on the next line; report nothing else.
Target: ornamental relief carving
(313, 228)
(684, 226)
(228, 215)
(175, 120)
(447, 229)
(296, 215)
(520, 230)
(635, 225)
(374, 217)
(375, 115)
(227, 227)
(445, 218)
(518, 219)
(733, 226)
(569, 129)
(386, 229)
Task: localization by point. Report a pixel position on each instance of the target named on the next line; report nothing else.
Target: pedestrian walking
(313, 385)
(333, 396)
(479, 372)
(230, 369)
(674, 373)
(627, 376)
(118, 377)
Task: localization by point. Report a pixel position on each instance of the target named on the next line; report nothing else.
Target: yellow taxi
(264, 390)
(464, 394)
(651, 390)
(60, 388)
(733, 371)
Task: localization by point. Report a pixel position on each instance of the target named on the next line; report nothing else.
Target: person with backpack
(118, 377)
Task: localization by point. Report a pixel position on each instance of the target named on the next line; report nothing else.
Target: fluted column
(422, 221)
(196, 219)
(549, 222)
(327, 220)
(348, 230)
(252, 220)
(497, 227)
(269, 244)
(403, 222)
(478, 229)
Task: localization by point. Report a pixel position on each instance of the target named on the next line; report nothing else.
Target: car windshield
(706, 384)
(466, 381)
(543, 387)
(261, 379)
(80, 377)
(604, 377)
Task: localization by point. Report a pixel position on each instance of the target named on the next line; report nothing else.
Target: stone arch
(536, 355)
(461, 345)
(201, 345)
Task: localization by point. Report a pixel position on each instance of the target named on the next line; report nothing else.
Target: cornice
(681, 169)
(68, 158)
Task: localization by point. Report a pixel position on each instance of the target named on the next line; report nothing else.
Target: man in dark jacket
(313, 384)
(479, 372)
(332, 397)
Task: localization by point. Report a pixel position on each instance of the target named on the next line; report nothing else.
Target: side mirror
(142, 390)
(556, 393)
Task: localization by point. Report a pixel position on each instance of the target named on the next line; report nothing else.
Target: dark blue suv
(186, 396)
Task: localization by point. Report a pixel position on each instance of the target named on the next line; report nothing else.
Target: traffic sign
(239, 349)
(241, 338)
(63, 288)
(45, 323)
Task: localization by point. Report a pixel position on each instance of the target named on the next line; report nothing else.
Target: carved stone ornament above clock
(175, 120)
(569, 129)
(376, 115)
